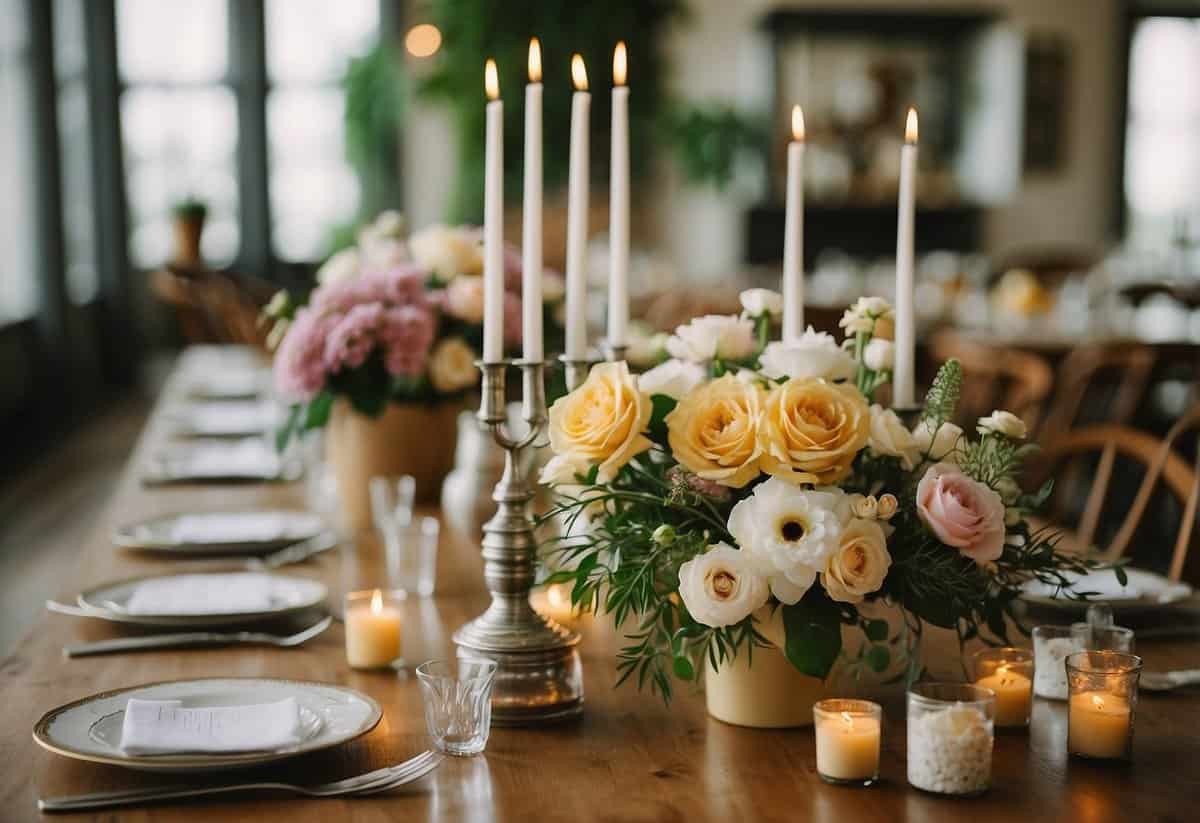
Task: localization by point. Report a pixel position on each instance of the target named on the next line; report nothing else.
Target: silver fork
(294, 553)
(184, 639)
(369, 783)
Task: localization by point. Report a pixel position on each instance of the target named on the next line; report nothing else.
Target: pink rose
(962, 512)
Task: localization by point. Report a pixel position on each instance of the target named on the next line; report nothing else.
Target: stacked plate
(249, 460)
(220, 533)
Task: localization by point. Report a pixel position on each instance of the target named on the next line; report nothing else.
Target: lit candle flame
(1097, 701)
(619, 64)
(797, 123)
(579, 73)
(910, 126)
(554, 595)
(491, 83)
(849, 721)
(377, 602)
(535, 60)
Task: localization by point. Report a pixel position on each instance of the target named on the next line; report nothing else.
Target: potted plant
(382, 353)
(188, 217)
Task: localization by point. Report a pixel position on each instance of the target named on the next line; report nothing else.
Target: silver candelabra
(539, 675)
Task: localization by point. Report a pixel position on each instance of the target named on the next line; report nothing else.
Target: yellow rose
(602, 422)
(859, 565)
(812, 430)
(714, 431)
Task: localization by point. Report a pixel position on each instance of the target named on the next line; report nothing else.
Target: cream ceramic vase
(409, 438)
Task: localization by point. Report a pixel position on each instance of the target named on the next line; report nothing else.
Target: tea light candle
(554, 602)
(1014, 696)
(848, 735)
(372, 630)
(1098, 725)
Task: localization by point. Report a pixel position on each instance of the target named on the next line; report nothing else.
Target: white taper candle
(577, 215)
(618, 205)
(493, 222)
(904, 377)
(793, 234)
(531, 216)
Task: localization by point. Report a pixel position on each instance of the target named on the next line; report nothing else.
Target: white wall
(719, 54)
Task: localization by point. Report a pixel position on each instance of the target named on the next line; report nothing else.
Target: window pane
(79, 241)
(178, 143)
(172, 41)
(307, 42)
(18, 284)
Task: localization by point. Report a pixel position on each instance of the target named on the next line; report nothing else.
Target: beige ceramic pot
(414, 439)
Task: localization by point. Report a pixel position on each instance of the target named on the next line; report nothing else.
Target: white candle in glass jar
(848, 746)
(373, 632)
(1098, 725)
(1014, 696)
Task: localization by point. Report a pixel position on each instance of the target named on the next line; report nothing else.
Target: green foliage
(190, 208)
(942, 397)
(375, 104)
(708, 141)
(474, 30)
(813, 633)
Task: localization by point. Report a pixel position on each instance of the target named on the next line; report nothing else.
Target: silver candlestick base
(576, 369)
(539, 674)
(614, 352)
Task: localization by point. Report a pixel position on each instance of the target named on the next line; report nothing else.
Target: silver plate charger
(90, 729)
(289, 596)
(178, 465)
(157, 534)
(1146, 592)
(224, 419)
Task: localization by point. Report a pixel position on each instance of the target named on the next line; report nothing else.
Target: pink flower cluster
(346, 321)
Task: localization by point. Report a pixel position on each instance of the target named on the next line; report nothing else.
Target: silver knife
(186, 639)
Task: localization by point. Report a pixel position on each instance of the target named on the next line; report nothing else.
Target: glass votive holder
(950, 734)
(848, 735)
(1009, 673)
(458, 703)
(1092, 637)
(373, 628)
(411, 549)
(1051, 647)
(1103, 689)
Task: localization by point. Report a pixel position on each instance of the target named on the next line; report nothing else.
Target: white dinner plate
(1145, 590)
(224, 418)
(288, 596)
(163, 534)
(90, 728)
(250, 460)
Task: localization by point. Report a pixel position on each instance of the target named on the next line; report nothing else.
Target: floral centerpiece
(742, 483)
(390, 336)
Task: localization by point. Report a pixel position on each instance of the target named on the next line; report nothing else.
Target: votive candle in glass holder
(848, 736)
(373, 628)
(1091, 637)
(1051, 647)
(950, 735)
(1103, 689)
(1009, 673)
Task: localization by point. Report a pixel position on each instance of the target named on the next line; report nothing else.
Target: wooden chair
(213, 307)
(996, 378)
(1112, 379)
(1106, 444)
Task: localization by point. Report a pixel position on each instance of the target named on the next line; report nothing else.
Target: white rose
(447, 251)
(464, 298)
(715, 335)
(880, 354)
(790, 532)
(382, 254)
(757, 302)
(940, 446)
(862, 315)
(815, 354)
(721, 587)
(889, 438)
(645, 348)
(452, 365)
(1003, 422)
(343, 265)
(864, 506)
(674, 378)
(859, 565)
(554, 287)
(561, 470)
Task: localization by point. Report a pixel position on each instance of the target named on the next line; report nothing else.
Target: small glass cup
(950, 735)
(392, 499)
(1103, 696)
(458, 703)
(1008, 672)
(411, 551)
(848, 735)
(1093, 637)
(373, 628)
(1051, 647)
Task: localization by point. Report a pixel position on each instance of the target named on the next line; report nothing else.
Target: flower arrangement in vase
(383, 350)
(747, 496)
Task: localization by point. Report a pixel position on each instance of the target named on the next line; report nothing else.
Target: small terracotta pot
(414, 439)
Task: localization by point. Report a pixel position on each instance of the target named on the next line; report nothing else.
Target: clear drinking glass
(848, 734)
(1103, 696)
(392, 499)
(458, 703)
(1051, 647)
(1090, 636)
(1008, 672)
(411, 551)
(950, 734)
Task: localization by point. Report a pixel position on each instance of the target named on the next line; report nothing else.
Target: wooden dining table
(628, 758)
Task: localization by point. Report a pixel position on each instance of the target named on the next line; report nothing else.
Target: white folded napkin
(167, 727)
(247, 527)
(186, 594)
(246, 458)
(209, 381)
(1141, 584)
(231, 417)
